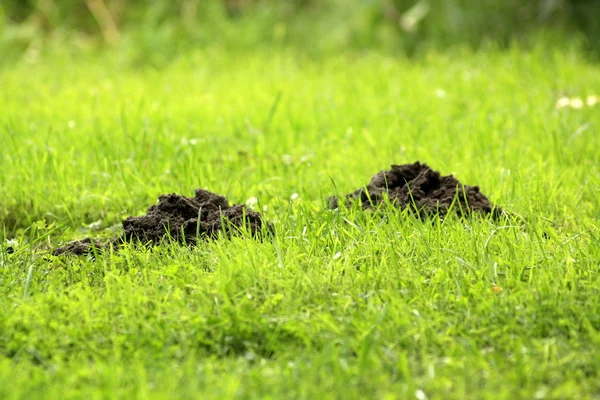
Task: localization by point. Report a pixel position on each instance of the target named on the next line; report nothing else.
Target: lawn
(338, 304)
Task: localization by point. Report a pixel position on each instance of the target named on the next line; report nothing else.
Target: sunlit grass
(345, 302)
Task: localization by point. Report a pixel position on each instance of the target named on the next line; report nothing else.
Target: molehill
(182, 219)
(422, 190)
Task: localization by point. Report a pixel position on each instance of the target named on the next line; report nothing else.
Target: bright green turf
(340, 304)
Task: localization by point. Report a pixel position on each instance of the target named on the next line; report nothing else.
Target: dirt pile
(80, 247)
(422, 190)
(178, 218)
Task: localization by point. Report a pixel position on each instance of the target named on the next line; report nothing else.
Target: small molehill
(80, 247)
(422, 190)
(177, 218)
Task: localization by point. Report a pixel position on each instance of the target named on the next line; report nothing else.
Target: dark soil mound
(79, 247)
(178, 218)
(419, 188)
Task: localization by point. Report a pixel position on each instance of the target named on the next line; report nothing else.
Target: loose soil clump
(423, 191)
(177, 218)
(80, 247)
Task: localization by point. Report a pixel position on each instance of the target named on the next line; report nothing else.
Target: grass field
(340, 304)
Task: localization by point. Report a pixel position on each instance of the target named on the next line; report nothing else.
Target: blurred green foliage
(159, 29)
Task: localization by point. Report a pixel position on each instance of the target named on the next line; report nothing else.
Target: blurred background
(156, 31)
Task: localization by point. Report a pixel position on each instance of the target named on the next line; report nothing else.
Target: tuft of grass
(342, 303)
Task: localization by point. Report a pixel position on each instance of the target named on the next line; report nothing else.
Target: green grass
(342, 304)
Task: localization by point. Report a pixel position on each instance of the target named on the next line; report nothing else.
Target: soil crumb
(177, 218)
(422, 190)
